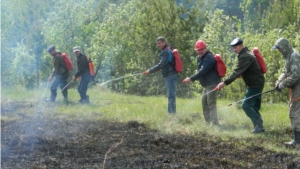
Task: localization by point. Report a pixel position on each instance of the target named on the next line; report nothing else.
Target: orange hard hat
(200, 44)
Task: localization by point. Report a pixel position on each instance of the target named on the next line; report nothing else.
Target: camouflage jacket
(290, 76)
(59, 65)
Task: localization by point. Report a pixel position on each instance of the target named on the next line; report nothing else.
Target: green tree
(23, 25)
(128, 40)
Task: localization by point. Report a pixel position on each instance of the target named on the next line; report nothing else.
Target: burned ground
(43, 141)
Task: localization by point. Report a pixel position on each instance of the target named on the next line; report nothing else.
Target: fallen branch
(111, 148)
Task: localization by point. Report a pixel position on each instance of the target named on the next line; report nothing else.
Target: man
(84, 73)
(248, 68)
(166, 65)
(60, 73)
(208, 77)
(290, 78)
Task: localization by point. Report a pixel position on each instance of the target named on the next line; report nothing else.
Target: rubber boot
(296, 139)
(66, 101)
(87, 99)
(259, 128)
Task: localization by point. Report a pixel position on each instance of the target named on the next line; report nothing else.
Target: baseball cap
(76, 48)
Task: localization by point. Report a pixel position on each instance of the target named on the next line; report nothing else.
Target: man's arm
(56, 67)
(83, 62)
(290, 80)
(241, 67)
(163, 61)
(207, 65)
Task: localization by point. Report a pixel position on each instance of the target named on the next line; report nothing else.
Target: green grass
(153, 112)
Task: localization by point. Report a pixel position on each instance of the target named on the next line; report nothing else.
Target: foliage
(122, 33)
(23, 25)
(23, 65)
(132, 29)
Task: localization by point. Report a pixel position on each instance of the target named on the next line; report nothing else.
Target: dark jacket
(248, 68)
(82, 65)
(59, 65)
(166, 63)
(207, 70)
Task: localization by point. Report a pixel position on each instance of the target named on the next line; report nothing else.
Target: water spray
(123, 77)
(45, 89)
(251, 97)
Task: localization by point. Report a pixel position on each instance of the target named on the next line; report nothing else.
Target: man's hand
(50, 79)
(146, 72)
(187, 80)
(279, 87)
(74, 78)
(220, 86)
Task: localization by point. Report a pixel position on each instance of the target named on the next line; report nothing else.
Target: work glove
(279, 87)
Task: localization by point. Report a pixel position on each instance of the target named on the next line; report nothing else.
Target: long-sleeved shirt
(59, 66)
(248, 68)
(166, 63)
(82, 65)
(207, 70)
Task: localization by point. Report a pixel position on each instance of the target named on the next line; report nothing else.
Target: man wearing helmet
(208, 77)
(290, 78)
(248, 68)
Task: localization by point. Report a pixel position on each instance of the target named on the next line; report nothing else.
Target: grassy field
(152, 111)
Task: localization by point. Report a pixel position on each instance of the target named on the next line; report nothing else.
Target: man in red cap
(208, 77)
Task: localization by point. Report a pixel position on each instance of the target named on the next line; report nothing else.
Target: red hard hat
(200, 44)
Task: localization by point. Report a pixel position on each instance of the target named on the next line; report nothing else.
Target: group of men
(248, 68)
(60, 74)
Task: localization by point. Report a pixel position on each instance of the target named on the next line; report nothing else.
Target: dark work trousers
(61, 81)
(251, 106)
(83, 86)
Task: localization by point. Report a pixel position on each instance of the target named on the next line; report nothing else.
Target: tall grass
(152, 111)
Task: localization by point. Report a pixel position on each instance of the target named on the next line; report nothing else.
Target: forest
(120, 35)
(126, 124)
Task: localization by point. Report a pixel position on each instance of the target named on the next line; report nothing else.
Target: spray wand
(46, 89)
(251, 97)
(123, 77)
(66, 85)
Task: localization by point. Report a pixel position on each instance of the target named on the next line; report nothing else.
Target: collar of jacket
(207, 52)
(166, 47)
(57, 54)
(79, 55)
(245, 49)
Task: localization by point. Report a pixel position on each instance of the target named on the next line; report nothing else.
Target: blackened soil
(42, 142)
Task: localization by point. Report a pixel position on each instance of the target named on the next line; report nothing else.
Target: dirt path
(42, 142)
